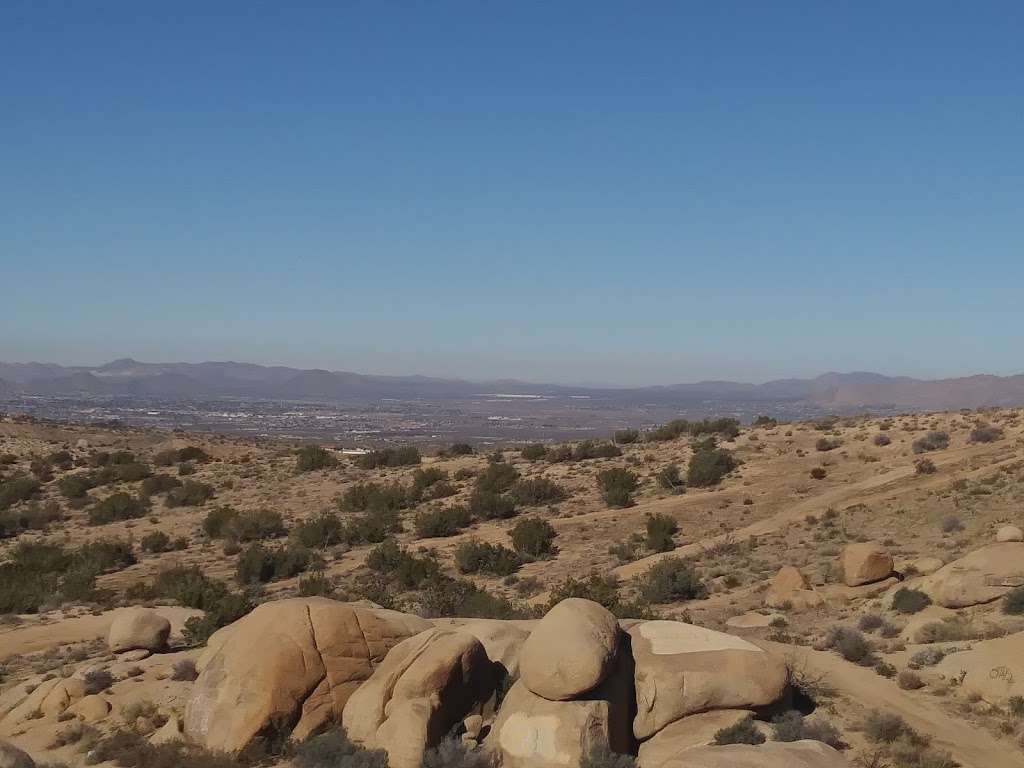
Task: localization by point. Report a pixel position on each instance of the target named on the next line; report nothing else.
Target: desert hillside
(839, 592)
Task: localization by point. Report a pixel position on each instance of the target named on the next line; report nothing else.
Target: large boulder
(866, 563)
(503, 640)
(425, 685)
(138, 628)
(790, 590)
(63, 695)
(28, 707)
(288, 665)
(90, 709)
(12, 757)
(682, 669)
(570, 651)
(773, 754)
(980, 576)
(693, 731)
(1009, 533)
(991, 669)
(534, 732)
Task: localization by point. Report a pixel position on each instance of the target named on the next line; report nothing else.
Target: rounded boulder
(138, 629)
(1009, 533)
(570, 651)
(12, 757)
(866, 563)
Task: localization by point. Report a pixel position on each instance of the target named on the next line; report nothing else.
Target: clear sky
(566, 191)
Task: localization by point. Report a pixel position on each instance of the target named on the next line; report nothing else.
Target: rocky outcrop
(288, 665)
(991, 669)
(978, 577)
(138, 629)
(790, 590)
(773, 754)
(570, 651)
(425, 685)
(12, 757)
(686, 733)
(682, 669)
(865, 563)
(90, 709)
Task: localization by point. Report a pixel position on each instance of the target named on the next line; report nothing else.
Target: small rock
(1010, 533)
(138, 655)
(138, 628)
(473, 725)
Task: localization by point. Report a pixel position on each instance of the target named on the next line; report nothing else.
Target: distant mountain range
(128, 377)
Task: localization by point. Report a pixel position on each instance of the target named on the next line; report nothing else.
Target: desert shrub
(499, 477)
(310, 458)
(626, 436)
(793, 726)
(132, 472)
(61, 459)
(190, 494)
(424, 478)
(319, 532)
(589, 449)
(926, 657)
(455, 753)
(708, 465)
(186, 468)
(819, 473)
(157, 541)
(490, 505)
(402, 456)
(258, 564)
(985, 433)
(17, 488)
(217, 522)
(155, 484)
(951, 524)
(42, 470)
(827, 444)
(481, 557)
(29, 517)
(165, 458)
(869, 622)
(371, 497)
(229, 608)
(925, 467)
(908, 601)
(370, 527)
(533, 452)
(533, 537)
(255, 525)
(617, 486)
(932, 441)
(445, 596)
(882, 440)
(671, 580)
(660, 530)
(457, 449)
(118, 506)
(432, 523)
(184, 670)
(1016, 705)
(850, 644)
(909, 680)
(97, 681)
(76, 486)
(333, 749)
(131, 750)
(316, 585)
(601, 756)
(536, 491)
(403, 568)
(1013, 602)
(885, 727)
(600, 588)
(743, 732)
(37, 573)
(670, 479)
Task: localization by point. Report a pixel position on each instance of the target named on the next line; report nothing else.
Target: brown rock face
(978, 577)
(12, 757)
(1009, 533)
(424, 686)
(693, 731)
(682, 669)
(288, 664)
(570, 651)
(138, 628)
(866, 563)
(790, 590)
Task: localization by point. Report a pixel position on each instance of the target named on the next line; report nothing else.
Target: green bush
(626, 436)
(404, 569)
(728, 428)
(588, 449)
(17, 488)
(481, 557)
(76, 486)
(118, 506)
(1013, 602)
(985, 433)
(433, 523)
(536, 491)
(132, 472)
(497, 478)
(371, 497)
(826, 444)
(334, 749)
(602, 589)
(617, 486)
(217, 522)
(670, 479)
(457, 449)
(258, 564)
(660, 530)
(533, 537)
(882, 440)
(130, 750)
(793, 726)
(157, 541)
(171, 456)
(455, 753)
(671, 580)
(708, 465)
(404, 456)
(743, 732)
(313, 457)
(444, 596)
(850, 644)
(29, 517)
(189, 494)
(320, 531)
(932, 441)
(255, 525)
(533, 452)
(155, 484)
(316, 585)
(489, 505)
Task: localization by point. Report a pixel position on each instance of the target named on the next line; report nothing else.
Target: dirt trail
(969, 745)
(862, 491)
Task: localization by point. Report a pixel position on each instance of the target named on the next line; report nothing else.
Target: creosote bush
(189, 494)
(907, 600)
(660, 530)
(449, 521)
(671, 580)
(671, 479)
(481, 557)
(850, 644)
(334, 749)
(743, 732)
(313, 457)
(533, 537)
(402, 456)
(709, 464)
(118, 506)
(617, 486)
(932, 441)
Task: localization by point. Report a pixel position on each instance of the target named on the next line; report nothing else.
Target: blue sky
(583, 192)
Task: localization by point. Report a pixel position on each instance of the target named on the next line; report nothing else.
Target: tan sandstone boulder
(790, 590)
(91, 709)
(63, 695)
(693, 731)
(682, 669)
(28, 706)
(138, 628)
(534, 732)
(1009, 533)
(503, 640)
(772, 754)
(994, 668)
(978, 577)
(12, 757)
(570, 651)
(865, 563)
(289, 661)
(425, 685)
